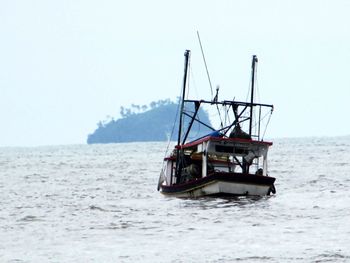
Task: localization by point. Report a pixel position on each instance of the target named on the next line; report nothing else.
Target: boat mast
(178, 166)
(254, 61)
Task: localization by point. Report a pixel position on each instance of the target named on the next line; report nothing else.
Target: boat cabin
(211, 155)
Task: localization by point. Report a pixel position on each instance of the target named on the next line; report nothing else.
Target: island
(141, 123)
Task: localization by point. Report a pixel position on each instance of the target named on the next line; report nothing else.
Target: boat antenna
(205, 63)
(217, 94)
(254, 61)
(178, 162)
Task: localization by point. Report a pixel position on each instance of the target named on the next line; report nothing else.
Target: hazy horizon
(268, 139)
(66, 65)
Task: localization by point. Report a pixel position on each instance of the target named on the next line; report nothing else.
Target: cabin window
(230, 149)
(223, 149)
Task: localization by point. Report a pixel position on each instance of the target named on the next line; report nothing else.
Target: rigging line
(248, 92)
(267, 124)
(258, 97)
(228, 115)
(262, 118)
(225, 112)
(194, 82)
(211, 86)
(188, 79)
(217, 107)
(173, 129)
(205, 63)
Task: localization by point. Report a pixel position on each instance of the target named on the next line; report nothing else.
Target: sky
(66, 65)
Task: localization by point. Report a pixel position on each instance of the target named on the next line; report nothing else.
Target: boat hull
(222, 184)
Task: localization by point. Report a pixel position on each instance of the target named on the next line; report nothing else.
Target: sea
(99, 203)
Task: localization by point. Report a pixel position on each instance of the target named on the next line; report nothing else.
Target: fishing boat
(229, 161)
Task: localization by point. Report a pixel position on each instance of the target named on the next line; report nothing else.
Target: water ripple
(98, 203)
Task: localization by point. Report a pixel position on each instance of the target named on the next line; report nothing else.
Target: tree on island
(136, 109)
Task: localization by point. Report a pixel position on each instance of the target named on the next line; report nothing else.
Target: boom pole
(254, 61)
(178, 162)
